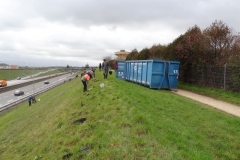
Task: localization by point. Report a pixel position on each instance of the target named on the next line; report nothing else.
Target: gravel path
(218, 104)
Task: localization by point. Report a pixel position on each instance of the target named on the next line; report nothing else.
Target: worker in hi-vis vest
(86, 78)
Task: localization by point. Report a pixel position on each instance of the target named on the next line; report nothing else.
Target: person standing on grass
(115, 66)
(34, 99)
(105, 68)
(30, 100)
(100, 66)
(92, 69)
(86, 78)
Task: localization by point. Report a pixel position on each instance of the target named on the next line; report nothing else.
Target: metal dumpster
(153, 73)
(145, 72)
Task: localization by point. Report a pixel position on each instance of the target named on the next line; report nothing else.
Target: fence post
(225, 68)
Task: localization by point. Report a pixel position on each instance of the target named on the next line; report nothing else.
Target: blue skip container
(153, 73)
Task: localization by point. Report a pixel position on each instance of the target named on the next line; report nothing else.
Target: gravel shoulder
(218, 104)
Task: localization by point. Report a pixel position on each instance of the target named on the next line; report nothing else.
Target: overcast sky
(80, 32)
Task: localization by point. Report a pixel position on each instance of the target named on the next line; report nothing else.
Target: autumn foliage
(216, 45)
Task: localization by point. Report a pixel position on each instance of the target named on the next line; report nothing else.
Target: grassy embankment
(10, 74)
(122, 121)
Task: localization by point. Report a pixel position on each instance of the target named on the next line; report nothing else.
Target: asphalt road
(9, 97)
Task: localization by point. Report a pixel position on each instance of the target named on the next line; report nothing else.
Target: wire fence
(223, 77)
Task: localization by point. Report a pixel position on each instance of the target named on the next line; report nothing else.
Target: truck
(3, 82)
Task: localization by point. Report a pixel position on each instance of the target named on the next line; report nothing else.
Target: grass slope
(123, 120)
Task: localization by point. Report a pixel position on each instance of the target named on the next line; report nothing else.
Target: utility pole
(33, 80)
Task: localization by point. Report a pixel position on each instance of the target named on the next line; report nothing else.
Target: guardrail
(14, 103)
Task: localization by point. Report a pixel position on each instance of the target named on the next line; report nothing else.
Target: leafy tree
(111, 63)
(169, 53)
(188, 49)
(157, 51)
(143, 54)
(132, 54)
(234, 58)
(220, 39)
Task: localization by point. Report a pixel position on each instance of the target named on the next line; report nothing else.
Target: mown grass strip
(123, 120)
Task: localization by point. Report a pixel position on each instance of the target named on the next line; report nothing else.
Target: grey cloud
(127, 24)
(124, 12)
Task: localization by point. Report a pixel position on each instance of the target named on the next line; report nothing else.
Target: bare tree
(108, 58)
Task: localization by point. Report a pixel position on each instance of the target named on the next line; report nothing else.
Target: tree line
(217, 45)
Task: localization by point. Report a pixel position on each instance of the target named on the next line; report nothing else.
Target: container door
(173, 72)
(171, 75)
(157, 77)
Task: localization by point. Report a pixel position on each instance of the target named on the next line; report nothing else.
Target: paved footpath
(218, 104)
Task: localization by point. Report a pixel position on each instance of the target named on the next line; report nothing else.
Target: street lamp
(24, 69)
(33, 80)
(8, 73)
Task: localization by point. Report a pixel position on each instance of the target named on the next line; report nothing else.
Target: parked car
(18, 93)
(18, 78)
(46, 82)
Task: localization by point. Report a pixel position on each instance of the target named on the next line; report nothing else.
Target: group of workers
(85, 76)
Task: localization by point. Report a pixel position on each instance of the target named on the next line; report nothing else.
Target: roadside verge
(218, 104)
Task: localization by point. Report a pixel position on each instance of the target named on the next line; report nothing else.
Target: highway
(8, 97)
(26, 78)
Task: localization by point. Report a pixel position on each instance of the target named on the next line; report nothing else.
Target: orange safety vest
(87, 77)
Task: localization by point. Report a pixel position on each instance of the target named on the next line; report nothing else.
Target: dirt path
(221, 105)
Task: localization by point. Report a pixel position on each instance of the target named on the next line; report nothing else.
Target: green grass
(10, 74)
(124, 120)
(221, 94)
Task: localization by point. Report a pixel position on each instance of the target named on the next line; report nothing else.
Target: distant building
(122, 54)
(14, 66)
(4, 66)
